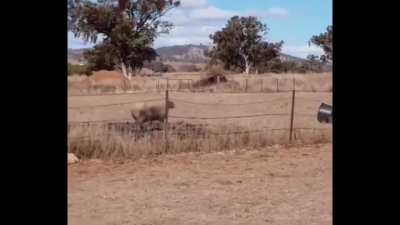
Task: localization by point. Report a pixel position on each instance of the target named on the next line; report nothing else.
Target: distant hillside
(75, 56)
(183, 53)
(177, 53)
(286, 57)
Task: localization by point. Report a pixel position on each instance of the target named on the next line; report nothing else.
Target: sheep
(145, 112)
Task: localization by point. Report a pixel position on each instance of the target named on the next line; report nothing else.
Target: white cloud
(271, 13)
(76, 42)
(195, 20)
(211, 13)
(302, 50)
(194, 24)
(277, 12)
(191, 4)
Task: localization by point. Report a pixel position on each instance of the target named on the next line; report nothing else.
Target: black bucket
(325, 113)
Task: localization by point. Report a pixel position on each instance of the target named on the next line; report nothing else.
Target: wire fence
(209, 133)
(293, 131)
(185, 85)
(116, 104)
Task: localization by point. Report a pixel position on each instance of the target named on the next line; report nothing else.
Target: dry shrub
(189, 68)
(208, 81)
(215, 70)
(111, 143)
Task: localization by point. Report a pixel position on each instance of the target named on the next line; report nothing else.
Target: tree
(240, 44)
(324, 40)
(263, 53)
(313, 63)
(128, 29)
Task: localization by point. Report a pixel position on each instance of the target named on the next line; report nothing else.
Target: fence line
(114, 104)
(292, 129)
(229, 117)
(100, 121)
(113, 94)
(157, 91)
(201, 103)
(208, 132)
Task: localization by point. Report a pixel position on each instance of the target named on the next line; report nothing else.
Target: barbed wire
(229, 117)
(234, 104)
(153, 91)
(208, 132)
(114, 104)
(100, 121)
(307, 115)
(194, 90)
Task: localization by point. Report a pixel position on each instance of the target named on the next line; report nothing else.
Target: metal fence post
(292, 113)
(167, 83)
(166, 121)
(277, 85)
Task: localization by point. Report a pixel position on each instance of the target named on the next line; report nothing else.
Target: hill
(182, 53)
(75, 56)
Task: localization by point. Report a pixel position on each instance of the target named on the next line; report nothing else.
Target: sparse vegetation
(78, 70)
(97, 141)
(189, 68)
(215, 70)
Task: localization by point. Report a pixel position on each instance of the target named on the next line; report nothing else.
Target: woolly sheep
(145, 112)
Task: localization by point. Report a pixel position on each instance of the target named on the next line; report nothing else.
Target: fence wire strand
(116, 104)
(209, 133)
(215, 104)
(228, 117)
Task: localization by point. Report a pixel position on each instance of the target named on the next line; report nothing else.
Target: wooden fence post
(262, 85)
(246, 84)
(166, 122)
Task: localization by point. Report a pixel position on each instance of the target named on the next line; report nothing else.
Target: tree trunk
(125, 72)
(247, 63)
(127, 76)
(247, 67)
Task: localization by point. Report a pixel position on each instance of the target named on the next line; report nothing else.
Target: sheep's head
(171, 105)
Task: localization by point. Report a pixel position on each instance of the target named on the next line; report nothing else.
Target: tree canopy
(240, 44)
(128, 29)
(324, 40)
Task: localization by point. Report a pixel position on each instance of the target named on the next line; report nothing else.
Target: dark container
(325, 113)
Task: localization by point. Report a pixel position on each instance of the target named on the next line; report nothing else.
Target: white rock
(72, 158)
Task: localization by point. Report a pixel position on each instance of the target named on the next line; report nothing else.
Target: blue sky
(292, 21)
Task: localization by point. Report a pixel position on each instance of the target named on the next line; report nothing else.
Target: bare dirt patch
(276, 185)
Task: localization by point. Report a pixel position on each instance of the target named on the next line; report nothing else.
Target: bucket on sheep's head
(325, 113)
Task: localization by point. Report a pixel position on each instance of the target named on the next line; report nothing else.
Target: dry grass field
(268, 122)
(106, 82)
(239, 119)
(236, 167)
(275, 185)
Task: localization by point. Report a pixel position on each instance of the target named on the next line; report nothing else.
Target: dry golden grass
(97, 141)
(111, 82)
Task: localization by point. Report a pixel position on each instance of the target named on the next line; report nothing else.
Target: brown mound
(146, 72)
(210, 80)
(105, 75)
